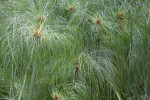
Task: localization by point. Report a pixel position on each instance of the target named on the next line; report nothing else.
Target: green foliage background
(75, 57)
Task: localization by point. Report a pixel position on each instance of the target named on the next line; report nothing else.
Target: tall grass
(74, 50)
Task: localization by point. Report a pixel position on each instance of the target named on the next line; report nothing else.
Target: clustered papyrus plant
(74, 49)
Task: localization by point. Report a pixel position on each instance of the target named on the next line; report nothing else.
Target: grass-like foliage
(75, 49)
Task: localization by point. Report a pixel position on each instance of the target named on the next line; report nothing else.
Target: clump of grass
(111, 66)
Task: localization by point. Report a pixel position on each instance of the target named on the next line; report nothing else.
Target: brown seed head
(37, 33)
(71, 8)
(57, 96)
(98, 22)
(121, 15)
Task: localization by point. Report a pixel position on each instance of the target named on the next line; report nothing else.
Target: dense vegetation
(75, 49)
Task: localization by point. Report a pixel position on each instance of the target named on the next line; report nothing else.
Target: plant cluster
(74, 49)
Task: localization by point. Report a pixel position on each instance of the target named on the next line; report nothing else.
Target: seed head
(57, 96)
(71, 8)
(98, 21)
(37, 33)
(121, 15)
(41, 19)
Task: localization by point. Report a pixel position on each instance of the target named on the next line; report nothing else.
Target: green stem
(32, 78)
